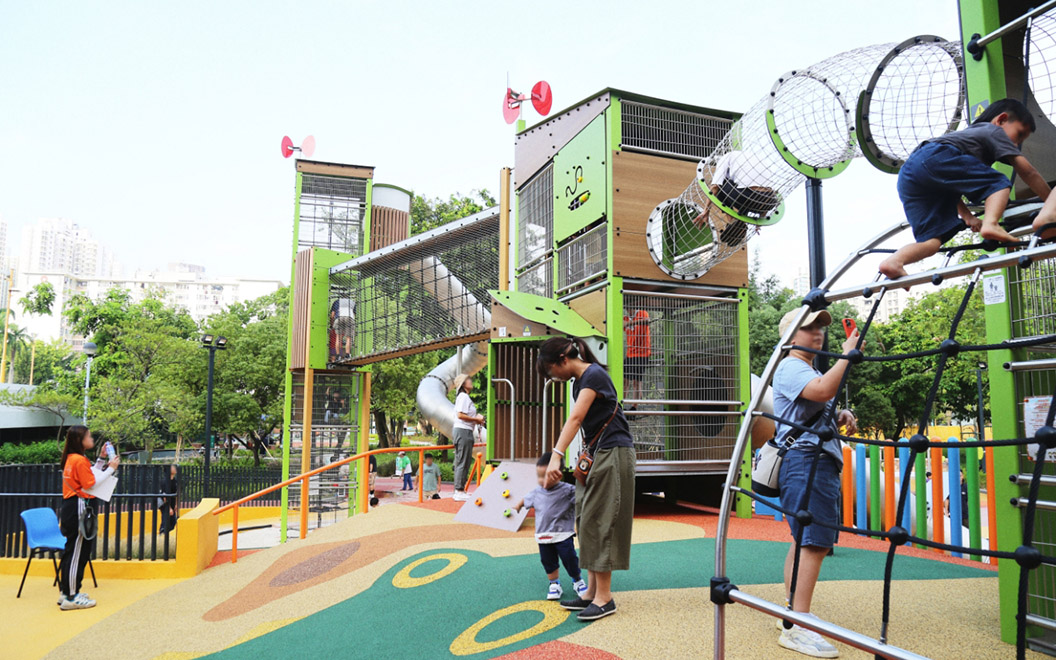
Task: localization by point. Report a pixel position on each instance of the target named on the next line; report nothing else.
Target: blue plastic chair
(43, 535)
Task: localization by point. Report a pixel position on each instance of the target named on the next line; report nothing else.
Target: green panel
(985, 81)
(798, 165)
(365, 246)
(287, 403)
(743, 504)
(580, 180)
(318, 336)
(492, 396)
(545, 311)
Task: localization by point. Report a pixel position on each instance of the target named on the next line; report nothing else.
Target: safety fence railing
(131, 526)
(226, 483)
(304, 481)
(944, 504)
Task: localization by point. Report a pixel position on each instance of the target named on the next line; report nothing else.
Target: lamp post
(212, 344)
(89, 349)
(980, 368)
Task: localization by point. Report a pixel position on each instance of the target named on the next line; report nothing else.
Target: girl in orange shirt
(77, 478)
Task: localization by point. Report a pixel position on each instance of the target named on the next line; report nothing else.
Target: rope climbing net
(1023, 255)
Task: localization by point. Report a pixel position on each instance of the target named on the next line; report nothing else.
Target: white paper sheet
(104, 485)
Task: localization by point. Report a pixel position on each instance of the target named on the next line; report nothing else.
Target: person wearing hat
(800, 393)
(403, 467)
(466, 421)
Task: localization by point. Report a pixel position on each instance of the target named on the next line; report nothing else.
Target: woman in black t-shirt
(605, 504)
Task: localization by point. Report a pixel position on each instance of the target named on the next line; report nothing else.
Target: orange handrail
(307, 475)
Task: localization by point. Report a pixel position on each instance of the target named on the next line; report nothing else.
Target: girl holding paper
(77, 478)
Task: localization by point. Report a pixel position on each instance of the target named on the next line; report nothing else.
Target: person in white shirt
(466, 421)
(743, 188)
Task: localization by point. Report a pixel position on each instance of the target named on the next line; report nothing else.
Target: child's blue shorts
(932, 181)
(824, 501)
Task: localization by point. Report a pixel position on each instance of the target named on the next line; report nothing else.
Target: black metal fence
(128, 524)
(229, 483)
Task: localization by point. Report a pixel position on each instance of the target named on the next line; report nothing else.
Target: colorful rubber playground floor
(405, 581)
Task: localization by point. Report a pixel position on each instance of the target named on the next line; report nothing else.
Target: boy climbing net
(942, 170)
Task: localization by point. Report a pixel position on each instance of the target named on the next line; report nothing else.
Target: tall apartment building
(57, 245)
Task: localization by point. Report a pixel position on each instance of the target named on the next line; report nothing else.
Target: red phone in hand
(849, 326)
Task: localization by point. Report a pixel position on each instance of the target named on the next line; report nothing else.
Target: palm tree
(17, 340)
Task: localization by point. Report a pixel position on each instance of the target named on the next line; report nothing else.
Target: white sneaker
(555, 591)
(461, 496)
(79, 602)
(807, 642)
(580, 588)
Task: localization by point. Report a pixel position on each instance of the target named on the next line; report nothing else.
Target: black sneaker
(593, 612)
(575, 604)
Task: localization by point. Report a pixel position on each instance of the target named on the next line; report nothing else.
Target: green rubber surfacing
(376, 621)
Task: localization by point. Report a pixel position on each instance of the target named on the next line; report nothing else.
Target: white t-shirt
(736, 167)
(464, 404)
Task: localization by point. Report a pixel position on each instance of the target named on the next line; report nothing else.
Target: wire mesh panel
(681, 375)
(535, 218)
(582, 259)
(341, 316)
(1034, 305)
(535, 431)
(428, 289)
(916, 93)
(655, 129)
(688, 235)
(1040, 51)
(537, 279)
(332, 211)
(335, 429)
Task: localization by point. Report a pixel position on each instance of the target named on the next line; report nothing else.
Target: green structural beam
(545, 311)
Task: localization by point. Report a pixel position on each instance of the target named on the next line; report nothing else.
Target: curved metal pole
(726, 507)
(546, 406)
(513, 408)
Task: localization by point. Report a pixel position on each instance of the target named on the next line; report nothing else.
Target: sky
(157, 125)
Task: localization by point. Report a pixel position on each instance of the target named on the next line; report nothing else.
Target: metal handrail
(233, 506)
(513, 408)
(977, 43)
(1031, 365)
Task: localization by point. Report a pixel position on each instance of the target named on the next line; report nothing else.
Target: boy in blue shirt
(942, 170)
(555, 525)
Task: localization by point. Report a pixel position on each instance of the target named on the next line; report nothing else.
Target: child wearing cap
(800, 393)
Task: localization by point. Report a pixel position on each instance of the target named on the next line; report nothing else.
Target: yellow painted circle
(467, 644)
(403, 579)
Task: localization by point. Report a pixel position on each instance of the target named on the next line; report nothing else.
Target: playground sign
(1035, 410)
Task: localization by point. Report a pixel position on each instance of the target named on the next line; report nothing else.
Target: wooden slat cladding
(387, 226)
(302, 307)
(516, 361)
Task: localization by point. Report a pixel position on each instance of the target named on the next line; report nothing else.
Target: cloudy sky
(157, 126)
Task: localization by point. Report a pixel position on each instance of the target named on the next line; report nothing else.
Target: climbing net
(1024, 254)
(1039, 50)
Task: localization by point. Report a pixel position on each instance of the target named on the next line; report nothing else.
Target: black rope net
(1027, 556)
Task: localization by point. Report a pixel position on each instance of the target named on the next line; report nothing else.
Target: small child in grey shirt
(555, 525)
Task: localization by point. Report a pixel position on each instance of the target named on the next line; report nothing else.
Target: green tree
(47, 362)
(429, 214)
(394, 386)
(63, 405)
(39, 299)
(875, 413)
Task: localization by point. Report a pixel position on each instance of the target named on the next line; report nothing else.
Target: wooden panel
(335, 169)
(516, 362)
(387, 226)
(503, 317)
(639, 183)
(592, 307)
(302, 306)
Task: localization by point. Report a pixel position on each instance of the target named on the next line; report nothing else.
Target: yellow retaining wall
(197, 530)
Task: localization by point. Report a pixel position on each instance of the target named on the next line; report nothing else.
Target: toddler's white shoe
(580, 587)
(807, 642)
(555, 591)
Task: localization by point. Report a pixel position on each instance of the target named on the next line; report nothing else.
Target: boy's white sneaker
(807, 642)
(79, 602)
(580, 587)
(555, 591)
(461, 496)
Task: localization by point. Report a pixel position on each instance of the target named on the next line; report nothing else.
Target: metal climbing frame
(535, 234)
(335, 429)
(681, 376)
(425, 292)
(582, 259)
(722, 590)
(669, 132)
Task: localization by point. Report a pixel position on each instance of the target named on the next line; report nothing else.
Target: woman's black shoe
(594, 612)
(575, 604)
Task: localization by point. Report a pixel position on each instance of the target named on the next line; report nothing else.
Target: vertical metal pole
(816, 249)
(208, 417)
(981, 435)
(87, 380)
